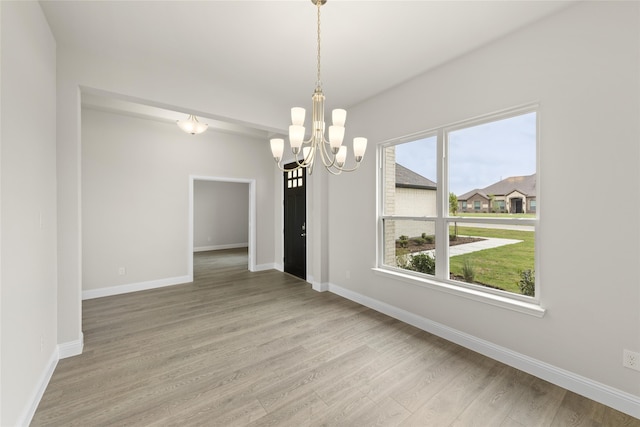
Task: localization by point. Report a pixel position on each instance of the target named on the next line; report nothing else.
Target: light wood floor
(237, 348)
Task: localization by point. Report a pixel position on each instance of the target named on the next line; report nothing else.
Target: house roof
(470, 194)
(407, 178)
(524, 184)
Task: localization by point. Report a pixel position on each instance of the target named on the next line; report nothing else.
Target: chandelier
(192, 125)
(330, 151)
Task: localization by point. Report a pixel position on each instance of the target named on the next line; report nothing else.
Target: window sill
(524, 307)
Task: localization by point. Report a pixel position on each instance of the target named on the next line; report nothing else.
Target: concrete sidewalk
(466, 248)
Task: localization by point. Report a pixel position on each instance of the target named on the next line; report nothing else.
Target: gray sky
(479, 155)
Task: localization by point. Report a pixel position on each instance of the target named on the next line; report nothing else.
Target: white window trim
(495, 297)
(479, 295)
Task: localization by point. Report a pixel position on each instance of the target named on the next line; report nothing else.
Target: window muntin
(476, 156)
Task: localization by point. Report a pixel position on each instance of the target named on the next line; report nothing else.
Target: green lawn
(498, 267)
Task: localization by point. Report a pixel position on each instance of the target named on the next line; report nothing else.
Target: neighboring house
(516, 194)
(415, 195)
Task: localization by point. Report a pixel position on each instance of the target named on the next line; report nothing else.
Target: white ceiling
(269, 47)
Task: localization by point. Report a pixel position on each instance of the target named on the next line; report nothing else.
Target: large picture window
(459, 205)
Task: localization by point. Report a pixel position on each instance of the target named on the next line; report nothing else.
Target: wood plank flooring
(236, 348)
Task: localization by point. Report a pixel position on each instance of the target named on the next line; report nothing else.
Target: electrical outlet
(122, 271)
(631, 359)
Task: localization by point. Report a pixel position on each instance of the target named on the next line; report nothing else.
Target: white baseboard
(617, 399)
(320, 287)
(317, 286)
(38, 392)
(219, 247)
(71, 348)
(135, 287)
(263, 267)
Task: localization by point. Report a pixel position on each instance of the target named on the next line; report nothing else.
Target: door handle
(303, 235)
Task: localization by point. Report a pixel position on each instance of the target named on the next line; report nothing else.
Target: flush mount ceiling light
(331, 152)
(192, 125)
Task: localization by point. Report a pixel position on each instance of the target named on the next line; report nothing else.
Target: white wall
(166, 84)
(135, 196)
(220, 215)
(583, 68)
(582, 65)
(28, 213)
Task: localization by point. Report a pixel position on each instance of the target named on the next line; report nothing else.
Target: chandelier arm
(283, 169)
(300, 163)
(328, 160)
(332, 172)
(343, 169)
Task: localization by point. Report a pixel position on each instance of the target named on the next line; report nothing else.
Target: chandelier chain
(319, 82)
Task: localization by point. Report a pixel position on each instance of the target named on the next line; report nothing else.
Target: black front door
(295, 228)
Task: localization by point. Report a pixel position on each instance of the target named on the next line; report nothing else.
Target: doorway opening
(220, 234)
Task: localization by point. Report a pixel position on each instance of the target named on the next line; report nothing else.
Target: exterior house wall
(390, 206)
(484, 204)
(496, 205)
(415, 202)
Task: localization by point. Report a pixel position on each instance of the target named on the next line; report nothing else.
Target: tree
(453, 204)
(492, 203)
(453, 210)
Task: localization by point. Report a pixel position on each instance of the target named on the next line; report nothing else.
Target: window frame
(441, 281)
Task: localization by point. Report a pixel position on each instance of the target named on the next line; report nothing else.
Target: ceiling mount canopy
(330, 151)
(192, 125)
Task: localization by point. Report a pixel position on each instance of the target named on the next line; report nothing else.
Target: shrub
(419, 240)
(402, 259)
(453, 237)
(423, 263)
(428, 238)
(404, 241)
(468, 271)
(527, 283)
